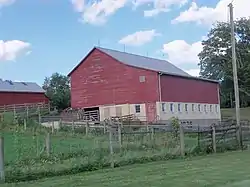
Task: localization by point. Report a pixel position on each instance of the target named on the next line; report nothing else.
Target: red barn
(114, 83)
(21, 93)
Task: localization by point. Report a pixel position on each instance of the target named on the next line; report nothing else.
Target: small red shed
(21, 93)
(118, 83)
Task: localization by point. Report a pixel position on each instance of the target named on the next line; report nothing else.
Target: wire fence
(33, 151)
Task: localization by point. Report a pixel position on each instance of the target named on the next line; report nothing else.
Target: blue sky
(40, 37)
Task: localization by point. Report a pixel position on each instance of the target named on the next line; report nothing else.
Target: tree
(216, 60)
(57, 88)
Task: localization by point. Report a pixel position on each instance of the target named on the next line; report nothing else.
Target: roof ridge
(115, 50)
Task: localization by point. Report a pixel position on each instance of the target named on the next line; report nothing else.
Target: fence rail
(27, 108)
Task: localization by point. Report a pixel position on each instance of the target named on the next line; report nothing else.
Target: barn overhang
(190, 77)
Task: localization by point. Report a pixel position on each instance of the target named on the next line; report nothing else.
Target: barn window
(210, 108)
(142, 78)
(216, 108)
(137, 108)
(179, 107)
(192, 107)
(199, 107)
(186, 107)
(163, 107)
(171, 107)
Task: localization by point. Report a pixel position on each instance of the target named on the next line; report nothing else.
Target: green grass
(221, 170)
(24, 145)
(230, 113)
(28, 145)
(74, 153)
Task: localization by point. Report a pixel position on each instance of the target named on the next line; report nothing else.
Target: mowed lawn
(231, 169)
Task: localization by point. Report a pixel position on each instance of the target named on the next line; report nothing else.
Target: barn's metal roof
(145, 62)
(9, 86)
(158, 65)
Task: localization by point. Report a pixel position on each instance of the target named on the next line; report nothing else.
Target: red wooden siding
(178, 89)
(9, 98)
(102, 80)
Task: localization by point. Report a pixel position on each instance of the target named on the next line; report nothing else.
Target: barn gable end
(102, 80)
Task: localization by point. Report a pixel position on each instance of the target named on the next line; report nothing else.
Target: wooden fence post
(87, 128)
(14, 110)
(111, 147)
(120, 135)
(2, 175)
(214, 138)
(60, 123)
(25, 124)
(73, 126)
(152, 133)
(104, 127)
(48, 144)
(53, 127)
(39, 116)
(182, 143)
(27, 112)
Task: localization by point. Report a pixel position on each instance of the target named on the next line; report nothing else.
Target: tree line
(216, 60)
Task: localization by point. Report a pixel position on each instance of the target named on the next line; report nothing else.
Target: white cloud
(139, 38)
(160, 6)
(180, 52)
(6, 2)
(78, 5)
(209, 15)
(10, 50)
(193, 72)
(96, 12)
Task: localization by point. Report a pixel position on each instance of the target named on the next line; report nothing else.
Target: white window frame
(171, 107)
(163, 107)
(179, 107)
(216, 108)
(142, 78)
(186, 107)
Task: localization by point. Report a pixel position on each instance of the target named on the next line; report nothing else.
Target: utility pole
(234, 63)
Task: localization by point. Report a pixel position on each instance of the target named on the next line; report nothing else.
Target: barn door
(151, 112)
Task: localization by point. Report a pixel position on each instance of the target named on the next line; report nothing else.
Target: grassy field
(221, 170)
(230, 113)
(23, 145)
(74, 153)
(26, 145)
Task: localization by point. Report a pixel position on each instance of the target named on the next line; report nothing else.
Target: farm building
(114, 83)
(13, 93)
